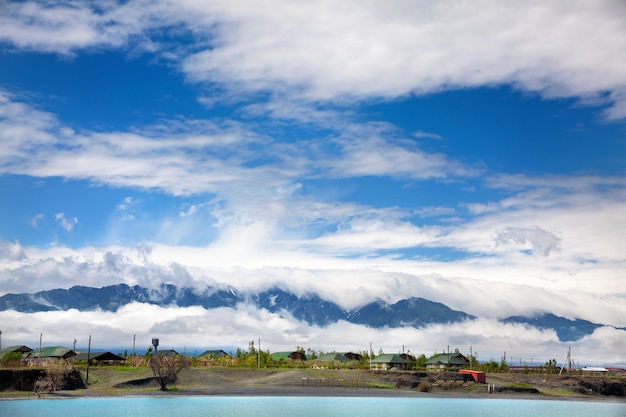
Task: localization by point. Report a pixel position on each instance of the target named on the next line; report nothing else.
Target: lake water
(307, 407)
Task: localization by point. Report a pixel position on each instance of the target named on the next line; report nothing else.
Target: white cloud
(333, 51)
(189, 211)
(195, 329)
(535, 239)
(420, 134)
(522, 285)
(65, 223)
(10, 252)
(186, 156)
(36, 219)
(328, 50)
(549, 241)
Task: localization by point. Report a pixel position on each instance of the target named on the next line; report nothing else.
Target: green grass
(559, 392)
(520, 385)
(384, 385)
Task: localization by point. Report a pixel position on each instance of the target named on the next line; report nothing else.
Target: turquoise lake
(307, 406)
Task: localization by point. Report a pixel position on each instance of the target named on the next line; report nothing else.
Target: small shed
(478, 376)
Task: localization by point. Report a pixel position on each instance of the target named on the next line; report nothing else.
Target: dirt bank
(126, 381)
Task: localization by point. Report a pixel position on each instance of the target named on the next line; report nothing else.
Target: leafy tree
(420, 362)
(10, 359)
(312, 354)
(503, 366)
(551, 366)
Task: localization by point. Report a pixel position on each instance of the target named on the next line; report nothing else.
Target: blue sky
(478, 146)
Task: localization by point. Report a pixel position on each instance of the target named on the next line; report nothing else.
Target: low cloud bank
(194, 329)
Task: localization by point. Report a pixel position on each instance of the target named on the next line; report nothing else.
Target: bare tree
(56, 372)
(166, 368)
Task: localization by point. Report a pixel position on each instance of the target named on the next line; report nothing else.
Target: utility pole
(259, 355)
(471, 359)
(39, 352)
(88, 360)
(448, 366)
(568, 360)
(133, 357)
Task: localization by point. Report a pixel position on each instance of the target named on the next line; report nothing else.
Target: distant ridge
(411, 312)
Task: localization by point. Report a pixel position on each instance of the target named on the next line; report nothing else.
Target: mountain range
(411, 312)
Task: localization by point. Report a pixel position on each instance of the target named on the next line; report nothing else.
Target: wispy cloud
(184, 157)
(36, 219)
(66, 223)
(352, 49)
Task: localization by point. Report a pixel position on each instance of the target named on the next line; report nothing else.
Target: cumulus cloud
(535, 239)
(11, 251)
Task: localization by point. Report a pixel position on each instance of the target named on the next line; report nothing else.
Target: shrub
(424, 386)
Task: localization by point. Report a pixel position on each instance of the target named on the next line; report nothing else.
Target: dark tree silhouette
(166, 368)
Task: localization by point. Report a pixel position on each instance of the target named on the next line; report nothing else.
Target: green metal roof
(52, 352)
(286, 355)
(214, 353)
(333, 356)
(16, 348)
(389, 358)
(444, 358)
(281, 355)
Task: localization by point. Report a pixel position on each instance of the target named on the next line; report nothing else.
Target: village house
(100, 358)
(296, 356)
(215, 357)
(389, 361)
(47, 355)
(333, 357)
(15, 349)
(447, 362)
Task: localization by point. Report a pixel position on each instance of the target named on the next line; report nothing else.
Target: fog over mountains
(412, 312)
